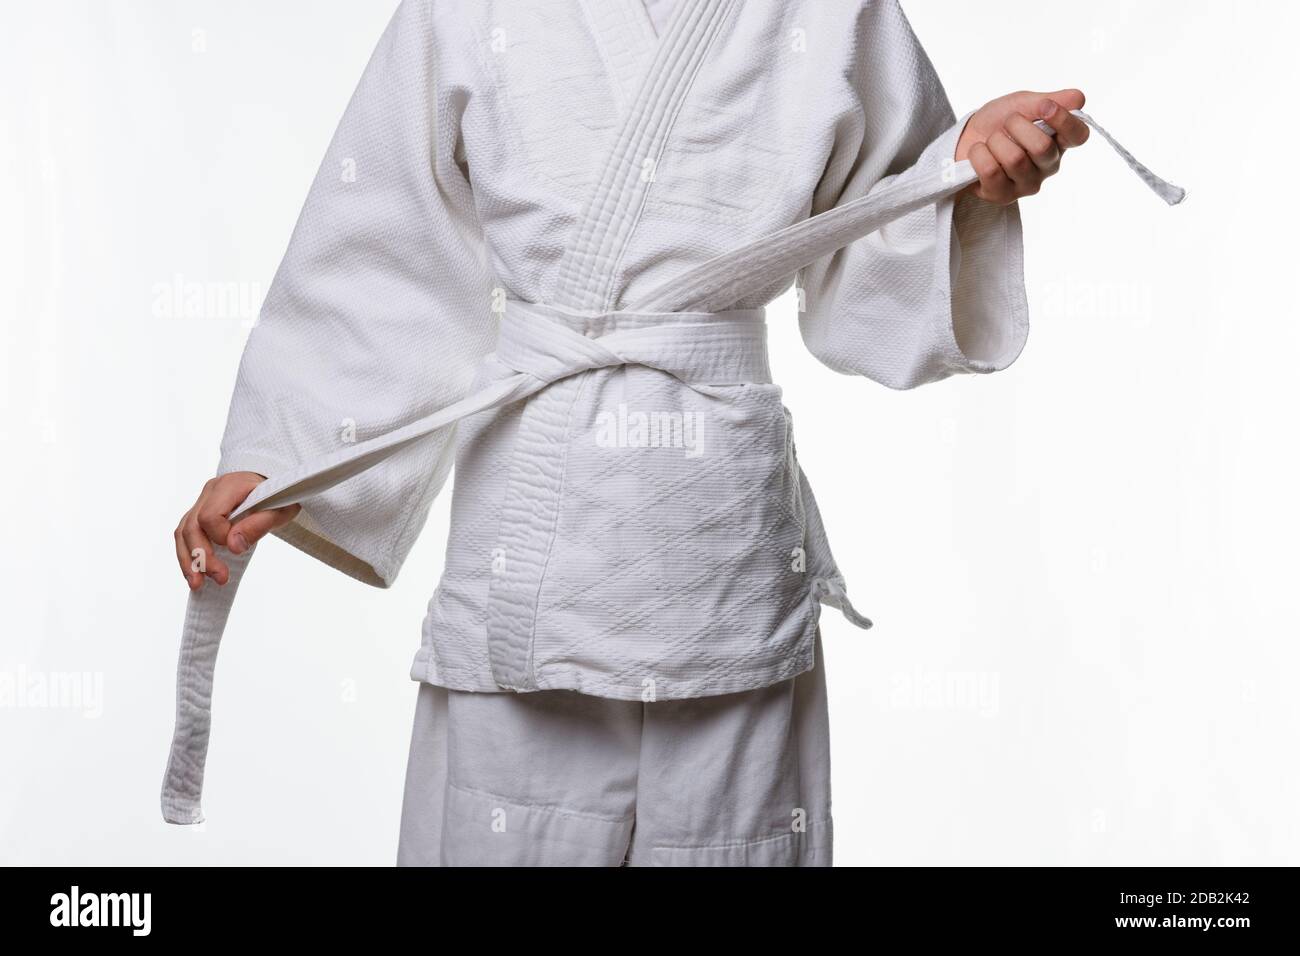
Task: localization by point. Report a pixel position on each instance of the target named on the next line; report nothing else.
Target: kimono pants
(558, 778)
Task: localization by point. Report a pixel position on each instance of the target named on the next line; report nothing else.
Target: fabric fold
(533, 337)
(382, 351)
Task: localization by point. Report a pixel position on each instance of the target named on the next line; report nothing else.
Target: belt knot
(700, 348)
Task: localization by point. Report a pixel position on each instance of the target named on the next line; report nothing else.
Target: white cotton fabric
(572, 564)
(539, 247)
(559, 778)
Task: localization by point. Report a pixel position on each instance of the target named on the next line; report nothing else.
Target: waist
(706, 348)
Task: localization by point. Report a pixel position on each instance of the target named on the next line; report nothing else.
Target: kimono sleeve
(379, 313)
(939, 291)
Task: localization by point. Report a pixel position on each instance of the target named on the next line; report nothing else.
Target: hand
(1013, 156)
(208, 522)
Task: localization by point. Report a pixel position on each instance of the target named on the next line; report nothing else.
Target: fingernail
(237, 543)
(1047, 109)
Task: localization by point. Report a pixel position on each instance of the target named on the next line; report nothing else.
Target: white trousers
(557, 778)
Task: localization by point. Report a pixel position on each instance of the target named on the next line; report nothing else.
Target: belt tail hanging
(1161, 187)
(205, 619)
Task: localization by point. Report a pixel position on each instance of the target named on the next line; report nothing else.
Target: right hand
(208, 522)
(1013, 156)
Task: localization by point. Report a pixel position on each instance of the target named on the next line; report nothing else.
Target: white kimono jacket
(540, 247)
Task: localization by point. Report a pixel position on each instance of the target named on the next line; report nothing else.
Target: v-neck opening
(656, 91)
(659, 13)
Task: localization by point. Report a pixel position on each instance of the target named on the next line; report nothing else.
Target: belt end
(181, 811)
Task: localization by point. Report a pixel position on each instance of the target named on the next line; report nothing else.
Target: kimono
(539, 248)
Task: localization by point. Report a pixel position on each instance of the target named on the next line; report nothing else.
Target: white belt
(540, 345)
(544, 345)
(682, 328)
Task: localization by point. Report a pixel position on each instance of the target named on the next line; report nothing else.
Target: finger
(192, 578)
(198, 548)
(219, 500)
(1070, 130)
(215, 526)
(211, 516)
(1038, 146)
(1068, 99)
(1030, 103)
(994, 186)
(213, 519)
(218, 570)
(1015, 162)
(249, 530)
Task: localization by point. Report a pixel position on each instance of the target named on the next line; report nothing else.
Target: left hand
(1013, 156)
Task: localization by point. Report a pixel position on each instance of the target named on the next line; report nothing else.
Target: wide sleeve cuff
(979, 306)
(317, 530)
(934, 293)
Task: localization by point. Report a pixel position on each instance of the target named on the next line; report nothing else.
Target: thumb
(251, 529)
(1034, 105)
(1066, 99)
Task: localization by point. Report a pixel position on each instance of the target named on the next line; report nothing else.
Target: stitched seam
(182, 684)
(540, 807)
(824, 821)
(661, 88)
(577, 266)
(782, 668)
(666, 133)
(530, 674)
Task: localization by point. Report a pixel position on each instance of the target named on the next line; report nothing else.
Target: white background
(1082, 569)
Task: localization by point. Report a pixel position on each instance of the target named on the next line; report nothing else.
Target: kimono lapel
(587, 284)
(589, 271)
(627, 41)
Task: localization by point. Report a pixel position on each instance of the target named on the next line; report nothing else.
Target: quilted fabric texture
(484, 173)
(539, 246)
